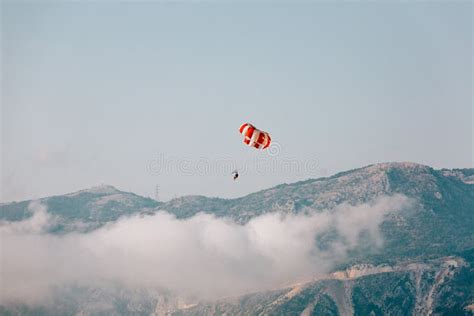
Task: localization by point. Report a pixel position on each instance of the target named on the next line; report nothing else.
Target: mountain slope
(439, 223)
(83, 210)
(425, 265)
(354, 187)
(409, 288)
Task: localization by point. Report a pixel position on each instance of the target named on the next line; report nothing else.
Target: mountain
(436, 287)
(440, 224)
(83, 210)
(424, 267)
(440, 286)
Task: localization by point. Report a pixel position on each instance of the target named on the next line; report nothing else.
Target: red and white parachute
(255, 137)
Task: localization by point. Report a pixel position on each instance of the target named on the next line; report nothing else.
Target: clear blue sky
(95, 92)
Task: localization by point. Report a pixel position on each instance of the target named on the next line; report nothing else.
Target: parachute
(255, 137)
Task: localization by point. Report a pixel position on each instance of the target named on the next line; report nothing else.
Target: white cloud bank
(202, 256)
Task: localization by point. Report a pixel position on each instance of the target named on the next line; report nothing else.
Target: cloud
(37, 223)
(202, 256)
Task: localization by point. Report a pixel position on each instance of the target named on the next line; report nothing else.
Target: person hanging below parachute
(236, 174)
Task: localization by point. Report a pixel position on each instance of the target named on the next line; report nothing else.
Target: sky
(149, 96)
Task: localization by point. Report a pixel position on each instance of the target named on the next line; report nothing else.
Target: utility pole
(157, 192)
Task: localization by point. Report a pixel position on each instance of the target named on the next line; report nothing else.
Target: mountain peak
(398, 165)
(98, 189)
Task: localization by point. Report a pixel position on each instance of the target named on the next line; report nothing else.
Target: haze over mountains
(387, 238)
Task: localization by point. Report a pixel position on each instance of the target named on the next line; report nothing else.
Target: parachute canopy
(255, 137)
